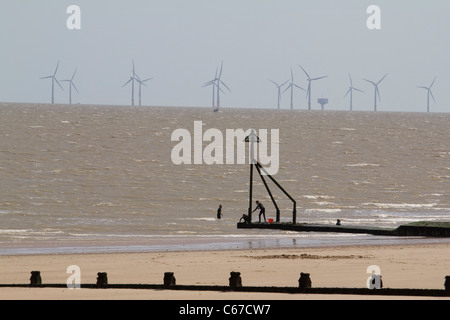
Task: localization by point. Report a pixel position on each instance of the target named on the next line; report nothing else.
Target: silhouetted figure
(219, 212)
(262, 210)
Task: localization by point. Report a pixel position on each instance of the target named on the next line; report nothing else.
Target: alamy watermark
(73, 21)
(374, 280)
(226, 149)
(74, 280)
(374, 20)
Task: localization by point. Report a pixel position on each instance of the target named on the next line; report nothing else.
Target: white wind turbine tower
(141, 83)
(377, 92)
(350, 90)
(429, 93)
(53, 77)
(213, 84)
(308, 93)
(279, 90)
(219, 81)
(132, 78)
(71, 84)
(291, 86)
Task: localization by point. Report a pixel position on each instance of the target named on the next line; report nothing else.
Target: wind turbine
(141, 82)
(350, 90)
(308, 93)
(71, 84)
(132, 78)
(429, 93)
(291, 86)
(377, 92)
(213, 84)
(53, 77)
(279, 90)
(219, 81)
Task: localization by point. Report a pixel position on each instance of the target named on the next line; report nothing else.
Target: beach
(419, 266)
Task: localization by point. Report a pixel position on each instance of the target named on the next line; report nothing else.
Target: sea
(94, 178)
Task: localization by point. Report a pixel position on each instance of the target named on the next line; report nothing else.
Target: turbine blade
(370, 82)
(433, 82)
(225, 85)
(306, 73)
(284, 83)
(357, 90)
(422, 87)
(127, 82)
(47, 77)
(349, 90)
(288, 87)
(319, 78)
(351, 82)
(59, 84)
(73, 84)
(299, 87)
(73, 76)
(147, 79)
(212, 82)
(382, 79)
(378, 92)
(432, 96)
(221, 68)
(57, 65)
(274, 83)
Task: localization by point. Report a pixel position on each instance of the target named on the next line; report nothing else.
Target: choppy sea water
(100, 178)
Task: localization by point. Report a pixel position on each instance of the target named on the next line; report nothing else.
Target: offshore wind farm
(115, 149)
(184, 51)
(217, 82)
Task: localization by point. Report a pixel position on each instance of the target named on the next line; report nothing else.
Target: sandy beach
(402, 266)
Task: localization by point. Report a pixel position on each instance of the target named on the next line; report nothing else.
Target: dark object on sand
(447, 284)
(102, 279)
(35, 279)
(304, 281)
(235, 279)
(169, 279)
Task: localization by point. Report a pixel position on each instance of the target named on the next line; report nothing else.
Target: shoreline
(403, 266)
(207, 243)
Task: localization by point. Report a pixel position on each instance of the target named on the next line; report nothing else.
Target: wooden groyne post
(169, 279)
(35, 279)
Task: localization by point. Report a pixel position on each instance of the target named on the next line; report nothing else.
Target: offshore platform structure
(322, 102)
(421, 228)
(253, 138)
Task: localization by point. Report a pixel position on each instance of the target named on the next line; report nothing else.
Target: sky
(181, 43)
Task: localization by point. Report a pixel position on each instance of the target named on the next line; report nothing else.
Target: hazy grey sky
(181, 42)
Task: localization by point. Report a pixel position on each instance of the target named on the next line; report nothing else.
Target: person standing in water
(262, 210)
(219, 212)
